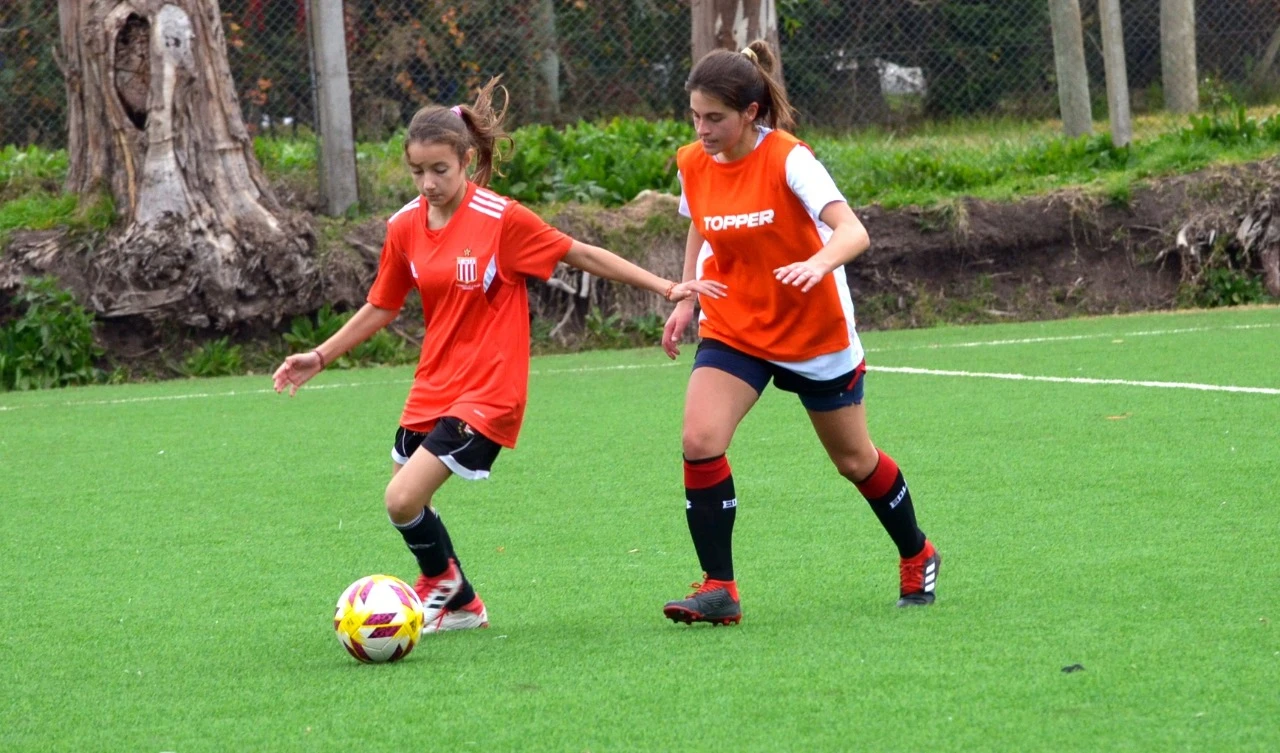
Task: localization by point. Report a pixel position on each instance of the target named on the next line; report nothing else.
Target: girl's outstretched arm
(606, 264)
(298, 368)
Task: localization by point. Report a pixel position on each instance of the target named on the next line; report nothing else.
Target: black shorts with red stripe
(819, 395)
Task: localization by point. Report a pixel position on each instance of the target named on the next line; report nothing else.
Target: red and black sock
(886, 491)
(710, 509)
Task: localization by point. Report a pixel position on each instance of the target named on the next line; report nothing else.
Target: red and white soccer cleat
(919, 575)
(436, 592)
(468, 617)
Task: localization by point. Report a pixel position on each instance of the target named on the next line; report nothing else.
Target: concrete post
(338, 188)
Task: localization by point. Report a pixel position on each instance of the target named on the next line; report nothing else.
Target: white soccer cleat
(436, 592)
(469, 617)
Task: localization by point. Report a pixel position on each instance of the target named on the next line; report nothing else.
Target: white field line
(1071, 338)
(624, 367)
(668, 364)
(1077, 380)
(307, 388)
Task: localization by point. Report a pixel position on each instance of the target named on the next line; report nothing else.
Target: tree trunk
(154, 120)
(1178, 55)
(732, 24)
(1073, 77)
(1117, 72)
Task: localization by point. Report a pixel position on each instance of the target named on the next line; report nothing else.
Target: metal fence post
(337, 163)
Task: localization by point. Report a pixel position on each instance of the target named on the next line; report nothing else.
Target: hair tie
(456, 110)
(751, 54)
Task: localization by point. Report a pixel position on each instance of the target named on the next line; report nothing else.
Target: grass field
(173, 553)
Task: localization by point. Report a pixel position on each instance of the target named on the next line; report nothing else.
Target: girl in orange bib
(468, 251)
(768, 222)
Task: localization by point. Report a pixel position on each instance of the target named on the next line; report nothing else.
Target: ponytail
(739, 78)
(464, 127)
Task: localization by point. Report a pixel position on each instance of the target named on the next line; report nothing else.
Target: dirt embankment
(1072, 252)
(1069, 253)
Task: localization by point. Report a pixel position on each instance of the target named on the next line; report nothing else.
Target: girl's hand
(296, 370)
(801, 274)
(677, 323)
(687, 290)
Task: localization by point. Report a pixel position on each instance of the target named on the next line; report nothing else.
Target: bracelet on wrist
(320, 356)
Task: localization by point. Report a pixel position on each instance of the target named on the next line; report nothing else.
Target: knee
(402, 505)
(702, 442)
(858, 465)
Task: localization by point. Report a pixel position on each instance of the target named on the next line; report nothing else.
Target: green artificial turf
(173, 553)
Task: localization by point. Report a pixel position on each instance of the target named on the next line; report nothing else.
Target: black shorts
(465, 451)
(815, 395)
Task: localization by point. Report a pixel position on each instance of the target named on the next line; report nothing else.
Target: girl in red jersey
(468, 251)
(768, 221)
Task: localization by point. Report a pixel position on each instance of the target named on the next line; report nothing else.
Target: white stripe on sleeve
(684, 202)
(810, 181)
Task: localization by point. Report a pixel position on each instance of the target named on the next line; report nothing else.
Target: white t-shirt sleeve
(684, 203)
(810, 182)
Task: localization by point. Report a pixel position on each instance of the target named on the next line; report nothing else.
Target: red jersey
(471, 276)
(754, 224)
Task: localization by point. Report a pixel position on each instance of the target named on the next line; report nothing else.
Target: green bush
(612, 331)
(51, 344)
(26, 169)
(602, 163)
(214, 358)
(383, 347)
(1224, 286)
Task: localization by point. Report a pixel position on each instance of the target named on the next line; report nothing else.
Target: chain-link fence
(846, 62)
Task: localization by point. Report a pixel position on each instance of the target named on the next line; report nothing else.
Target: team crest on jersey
(467, 272)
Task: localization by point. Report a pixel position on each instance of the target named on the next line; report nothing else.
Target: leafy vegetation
(23, 170)
(384, 347)
(605, 163)
(1225, 286)
(609, 163)
(612, 331)
(214, 358)
(51, 344)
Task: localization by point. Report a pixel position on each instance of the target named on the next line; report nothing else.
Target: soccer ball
(379, 619)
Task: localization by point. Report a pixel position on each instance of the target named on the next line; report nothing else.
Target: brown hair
(740, 78)
(476, 125)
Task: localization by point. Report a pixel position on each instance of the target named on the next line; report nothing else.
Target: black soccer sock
(426, 539)
(886, 492)
(466, 593)
(710, 509)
